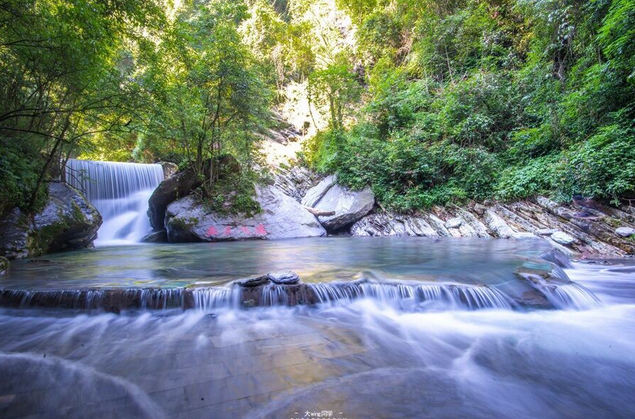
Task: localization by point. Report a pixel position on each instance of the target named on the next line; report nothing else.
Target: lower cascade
(120, 192)
(405, 296)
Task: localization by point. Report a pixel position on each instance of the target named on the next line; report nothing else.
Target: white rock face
(316, 193)
(454, 222)
(282, 217)
(625, 231)
(563, 238)
(392, 225)
(498, 225)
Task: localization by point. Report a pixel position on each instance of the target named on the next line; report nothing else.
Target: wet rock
(534, 271)
(4, 265)
(252, 281)
(625, 231)
(188, 220)
(284, 278)
(546, 231)
(249, 303)
(160, 236)
(349, 206)
(315, 194)
(67, 222)
(557, 257)
(563, 238)
(171, 189)
(534, 299)
(280, 278)
(454, 222)
(169, 169)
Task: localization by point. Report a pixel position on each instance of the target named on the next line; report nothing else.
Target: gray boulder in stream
(171, 189)
(349, 206)
(282, 217)
(67, 222)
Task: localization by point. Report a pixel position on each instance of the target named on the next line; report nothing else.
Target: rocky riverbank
(302, 204)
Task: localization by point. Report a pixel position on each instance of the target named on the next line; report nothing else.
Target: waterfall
(120, 192)
(208, 299)
(572, 296)
(448, 295)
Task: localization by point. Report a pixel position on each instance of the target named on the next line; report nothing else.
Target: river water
(358, 358)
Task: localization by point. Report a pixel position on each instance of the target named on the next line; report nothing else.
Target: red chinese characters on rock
(212, 231)
(261, 230)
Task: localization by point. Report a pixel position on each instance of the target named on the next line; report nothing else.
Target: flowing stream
(120, 192)
(403, 328)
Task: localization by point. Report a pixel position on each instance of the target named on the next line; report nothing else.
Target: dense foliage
(120, 80)
(489, 99)
(429, 102)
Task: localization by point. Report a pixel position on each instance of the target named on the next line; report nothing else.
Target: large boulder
(316, 193)
(158, 236)
(188, 220)
(168, 191)
(67, 222)
(563, 238)
(348, 206)
(625, 231)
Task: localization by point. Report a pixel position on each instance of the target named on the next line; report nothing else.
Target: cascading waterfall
(207, 299)
(571, 296)
(120, 192)
(450, 295)
(417, 296)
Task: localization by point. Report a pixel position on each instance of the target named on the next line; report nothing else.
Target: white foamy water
(120, 192)
(397, 349)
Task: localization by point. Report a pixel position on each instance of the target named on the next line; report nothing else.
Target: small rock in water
(160, 236)
(547, 231)
(249, 303)
(454, 222)
(253, 281)
(563, 238)
(625, 231)
(284, 278)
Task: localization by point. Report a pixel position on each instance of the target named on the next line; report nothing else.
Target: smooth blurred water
(120, 192)
(367, 358)
(474, 261)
